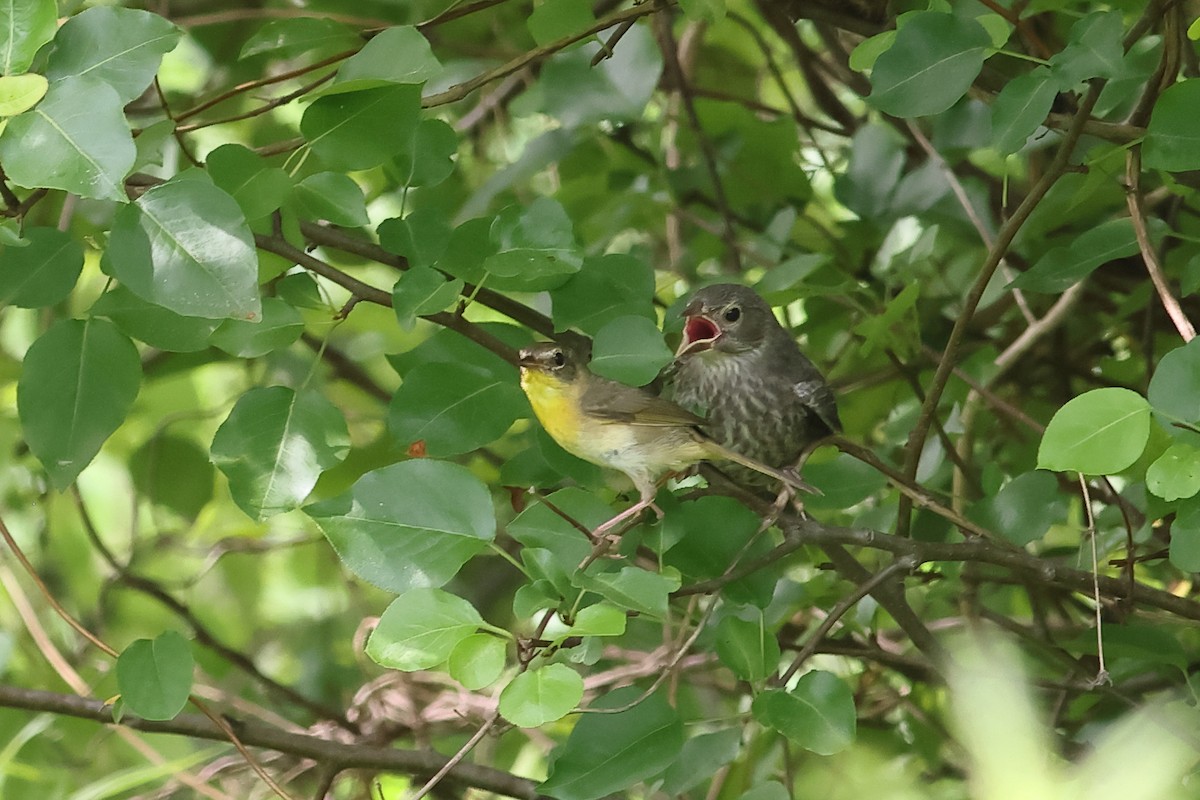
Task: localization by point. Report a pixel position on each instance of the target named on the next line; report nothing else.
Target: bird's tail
(787, 476)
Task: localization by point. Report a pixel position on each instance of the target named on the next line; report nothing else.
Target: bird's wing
(615, 402)
(816, 395)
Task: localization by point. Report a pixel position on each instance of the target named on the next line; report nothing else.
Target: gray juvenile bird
(743, 372)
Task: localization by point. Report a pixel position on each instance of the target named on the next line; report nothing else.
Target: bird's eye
(733, 314)
(560, 360)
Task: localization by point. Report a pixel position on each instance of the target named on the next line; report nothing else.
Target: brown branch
(253, 733)
(1004, 238)
(537, 54)
(1133, 198)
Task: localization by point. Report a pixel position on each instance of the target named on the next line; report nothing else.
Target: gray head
(726, 318)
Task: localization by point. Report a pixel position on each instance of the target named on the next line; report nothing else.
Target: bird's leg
(604, 535)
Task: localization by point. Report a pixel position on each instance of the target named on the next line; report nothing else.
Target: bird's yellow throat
(556, 404)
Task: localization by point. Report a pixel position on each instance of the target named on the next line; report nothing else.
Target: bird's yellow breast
(556, 404)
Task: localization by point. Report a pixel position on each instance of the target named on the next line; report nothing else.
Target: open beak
(699, 333)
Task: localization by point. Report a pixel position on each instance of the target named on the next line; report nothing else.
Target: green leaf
(600, 619)
(421, 237)
(605, 288)
(633, 588)
(173, 472)
(1174, 390)
(703, 10)
(539, 696)
(1172, 137)
(1175, 474)
(844, 482)
(608, 753)
(422, 291)
(702, 756)
(534, 244)
(20, 93)
(333, 197)
(540, 527)
(287, 38)
(155, 677)
(1020, 109)
(430, 159)
(1095, 50)
(768, 790)
(78, 383)
(1064, 266)
(120, 46)
(278, 326)
(274, 445)
(818, 714)
(41, 273)
(555, 19)
(576, 93)
(1100, 432)
(930, 66)
(363, 129)
(1024, 509)
(245, 176)
(707, 535)
(1185, 536)
(747, 647)
(409, 525)
(153, 324)
(453, 408)
(184, 245)
(421, 628)
(477, 660)
(630, 350)
(394, 55)
(25, 25)
(76, 139)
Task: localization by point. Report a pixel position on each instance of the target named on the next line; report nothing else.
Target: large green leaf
(1020, 109)
(153, 324)
(1095, 50)
(421, 291)
(286, 38)
(275, 444)
(25, 25)
(608, 753)
(363, 129)
(1174, 391)
(185, 246)
(605, 288)
(409, 525)
(394, 55)
(258, 189)
(929, 66)
(535, 247)
(453, 408)
(155, 676)
(333, 197)
(747, 647)
(818, 714)
(78, 383)
(76, 140)
(421, 628)
(278, 327)
(539, 696)
(1097, 433)
(630, 350)
(1063, 266)
(41, 273)
(120, 46)
(1172, 137)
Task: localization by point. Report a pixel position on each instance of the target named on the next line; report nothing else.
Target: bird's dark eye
(560, 360)
(733, 314)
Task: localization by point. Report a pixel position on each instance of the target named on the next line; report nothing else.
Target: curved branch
(338, 755)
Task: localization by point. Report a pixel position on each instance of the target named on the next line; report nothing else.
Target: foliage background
(264, 271)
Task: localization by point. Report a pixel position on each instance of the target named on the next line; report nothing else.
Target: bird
(740, 369)
(621, 427)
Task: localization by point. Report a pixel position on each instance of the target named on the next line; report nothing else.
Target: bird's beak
(699, 333)
(527, 359)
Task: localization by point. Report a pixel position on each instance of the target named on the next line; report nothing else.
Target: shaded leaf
(453, 409)
(818, 714)
(78, 382)
(134, 42)
(275, 444)
(409, 525)
(42, 272)
(155, 676)
(930, 65)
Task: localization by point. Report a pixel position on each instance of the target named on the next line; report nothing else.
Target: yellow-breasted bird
(740, 368)
(619, 426)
